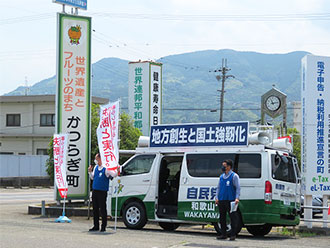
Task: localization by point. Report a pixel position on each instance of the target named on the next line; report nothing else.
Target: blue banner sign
(81, 4)
(203, 134)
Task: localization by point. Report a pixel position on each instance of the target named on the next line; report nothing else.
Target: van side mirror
(279, 158)
(122, 171)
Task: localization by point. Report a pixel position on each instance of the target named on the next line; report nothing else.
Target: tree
(296, 143)
(50, 161)
(94, 123)
(129, 136)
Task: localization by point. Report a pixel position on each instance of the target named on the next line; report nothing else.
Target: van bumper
(257, 212)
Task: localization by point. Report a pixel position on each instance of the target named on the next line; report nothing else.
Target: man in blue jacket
(228, 191)
(100, 176)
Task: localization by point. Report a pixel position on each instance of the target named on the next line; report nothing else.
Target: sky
(151, 29)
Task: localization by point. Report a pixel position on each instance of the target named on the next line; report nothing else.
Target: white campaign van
(173, 185)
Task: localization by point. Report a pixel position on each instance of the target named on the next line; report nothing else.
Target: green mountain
(189, 83)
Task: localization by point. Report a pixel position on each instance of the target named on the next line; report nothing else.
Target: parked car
(317, 202)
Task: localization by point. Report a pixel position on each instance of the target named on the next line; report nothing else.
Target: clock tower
(273, 103)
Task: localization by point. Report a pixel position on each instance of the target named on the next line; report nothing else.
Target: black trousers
(224, 207)
(99, 199)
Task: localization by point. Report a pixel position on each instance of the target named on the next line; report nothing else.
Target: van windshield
(283, 170)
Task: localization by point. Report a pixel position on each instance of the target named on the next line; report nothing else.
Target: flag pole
(89, 198)
(63, 218)
(116, 205)
(117, 191)
(63, 213)
(64, 138)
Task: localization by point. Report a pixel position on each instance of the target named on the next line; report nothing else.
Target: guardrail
(313, 220)
(326, 211)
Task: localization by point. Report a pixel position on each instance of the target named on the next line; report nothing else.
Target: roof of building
(145, 61)
(43, 98)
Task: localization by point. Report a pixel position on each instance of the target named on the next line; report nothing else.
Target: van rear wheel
(168, 226)
(260, 230)
(134, 215)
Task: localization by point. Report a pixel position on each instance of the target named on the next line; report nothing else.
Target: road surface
(18, 229)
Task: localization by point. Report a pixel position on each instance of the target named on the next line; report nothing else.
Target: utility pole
(27, 88)
(223, 76)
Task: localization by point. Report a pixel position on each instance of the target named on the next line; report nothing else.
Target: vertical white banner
(73, 98)
(145, 94)
(155, 94)
(138, 95)
(60, 148)
(107, 136)
(315, 101)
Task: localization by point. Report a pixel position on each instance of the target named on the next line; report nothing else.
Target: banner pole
(116, 205)
(89, 198)
(117, 191)
(63, 213)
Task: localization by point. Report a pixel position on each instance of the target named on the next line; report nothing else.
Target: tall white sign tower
(145, 94)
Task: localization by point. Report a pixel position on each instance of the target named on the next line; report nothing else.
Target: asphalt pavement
(18, 229)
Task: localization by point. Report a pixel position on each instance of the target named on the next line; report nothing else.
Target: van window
(248, 166)
(209, 165)
(283, 171)
(139, 165)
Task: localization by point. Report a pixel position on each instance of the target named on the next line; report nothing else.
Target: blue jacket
(100, 181)
(228, 187)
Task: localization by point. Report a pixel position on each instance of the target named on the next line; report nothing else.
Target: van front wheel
(168, 226)
(134, 215)
(260, 230)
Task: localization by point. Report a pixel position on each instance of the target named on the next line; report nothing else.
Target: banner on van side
(202, 134)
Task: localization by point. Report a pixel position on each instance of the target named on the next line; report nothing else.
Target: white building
(297, 115)
(27, 123)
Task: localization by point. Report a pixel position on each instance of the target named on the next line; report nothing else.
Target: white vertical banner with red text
(60, 148)
(107, 136)
(73, 106)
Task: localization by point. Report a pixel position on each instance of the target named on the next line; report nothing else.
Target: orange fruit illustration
(74, 33)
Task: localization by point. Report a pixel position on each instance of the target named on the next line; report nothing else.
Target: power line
(217, 18)
(121, 45)
(105, 67)
(27, 18)
(183, 17)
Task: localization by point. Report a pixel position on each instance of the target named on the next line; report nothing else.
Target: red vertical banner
(60, 147)
(107, 136)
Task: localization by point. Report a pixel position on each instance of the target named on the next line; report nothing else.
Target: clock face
(273, 103)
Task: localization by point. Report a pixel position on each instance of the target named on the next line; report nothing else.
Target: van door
(134, 181)
(168, 186)
(285, 183)
(198, 185)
